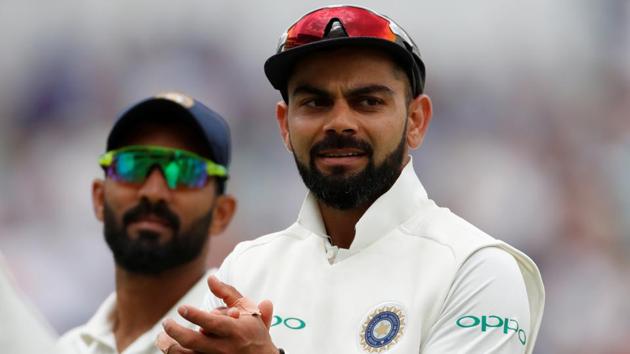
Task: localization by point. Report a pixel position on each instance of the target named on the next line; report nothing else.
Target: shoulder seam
(263, 240)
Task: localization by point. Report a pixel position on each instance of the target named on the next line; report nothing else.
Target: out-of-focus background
(530, 140)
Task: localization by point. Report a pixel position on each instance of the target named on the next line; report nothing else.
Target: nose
(155, 187)
(341, 120)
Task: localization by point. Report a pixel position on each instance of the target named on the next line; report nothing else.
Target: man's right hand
(242, 327)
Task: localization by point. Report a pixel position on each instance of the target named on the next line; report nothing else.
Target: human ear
(224, 209)
(98, 198)
(420, 113)
(283, 122)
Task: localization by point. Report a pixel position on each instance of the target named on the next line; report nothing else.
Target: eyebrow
(369, 89)
(310, 90)
(364, 90)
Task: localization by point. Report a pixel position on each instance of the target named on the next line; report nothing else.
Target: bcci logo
(382, 328)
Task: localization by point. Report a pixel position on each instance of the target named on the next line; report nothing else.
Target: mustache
(146, 208)
(340, 141)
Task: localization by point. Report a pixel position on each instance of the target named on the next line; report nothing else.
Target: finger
(163, 342)
(231, 297)
(246, 306)
(226, 311)
(225, 292)
(178, 349)
(234, 312)
(266, 312)
(188, 339)
(212, 324)
(223, 310)
(168, 345)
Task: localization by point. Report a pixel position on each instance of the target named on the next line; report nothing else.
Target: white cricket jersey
(416, 279)
(97, 335)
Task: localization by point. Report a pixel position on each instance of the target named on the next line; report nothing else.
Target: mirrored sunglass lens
(172, 173)
(193, 172)
(306, 30)
(356, 21)
(134, 166)
(369, 25)
(185, 171)
(130, 167)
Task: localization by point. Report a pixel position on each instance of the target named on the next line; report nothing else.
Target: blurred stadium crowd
(530, 139)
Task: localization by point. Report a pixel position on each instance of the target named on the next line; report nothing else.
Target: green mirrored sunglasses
(132, 164)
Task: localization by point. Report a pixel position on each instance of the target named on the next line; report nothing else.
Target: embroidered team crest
(382, 328)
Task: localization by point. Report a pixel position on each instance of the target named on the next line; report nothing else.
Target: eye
(369, 101)
(317, 102)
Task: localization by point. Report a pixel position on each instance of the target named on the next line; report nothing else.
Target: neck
(142, 300)
(340, 224)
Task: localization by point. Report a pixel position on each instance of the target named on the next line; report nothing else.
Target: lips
(151, 227)
(341, 160)
(153, 219)
(340, 153)
(151, 223)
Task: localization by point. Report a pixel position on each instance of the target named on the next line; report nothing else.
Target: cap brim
(278, 67)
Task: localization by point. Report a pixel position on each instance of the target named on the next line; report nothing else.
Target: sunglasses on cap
(180, 168)
(356, 21)
(357, 24)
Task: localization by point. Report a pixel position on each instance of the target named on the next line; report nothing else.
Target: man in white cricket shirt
(372, 265)
(162, 198)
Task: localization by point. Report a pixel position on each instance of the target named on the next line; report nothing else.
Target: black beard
(348, 192)
(145, 255)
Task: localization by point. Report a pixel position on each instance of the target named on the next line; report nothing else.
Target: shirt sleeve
(486, 310)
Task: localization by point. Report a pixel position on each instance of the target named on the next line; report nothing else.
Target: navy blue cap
(212, 127)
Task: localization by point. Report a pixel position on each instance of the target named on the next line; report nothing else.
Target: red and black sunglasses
(331, 25)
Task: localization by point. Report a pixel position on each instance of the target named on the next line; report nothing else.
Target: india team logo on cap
(382, 328)
(177, 97)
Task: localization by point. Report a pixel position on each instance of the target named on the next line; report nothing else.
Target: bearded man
(162, 199)
(372, 264)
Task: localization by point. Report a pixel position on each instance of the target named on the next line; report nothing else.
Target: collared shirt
(385, 214)
(416, 279)
(97, 336)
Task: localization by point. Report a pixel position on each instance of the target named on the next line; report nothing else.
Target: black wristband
(280, 351)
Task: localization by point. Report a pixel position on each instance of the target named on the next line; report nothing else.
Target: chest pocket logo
(382, 328)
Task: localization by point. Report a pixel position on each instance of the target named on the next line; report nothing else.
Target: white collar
(100, 327)
(389, 211)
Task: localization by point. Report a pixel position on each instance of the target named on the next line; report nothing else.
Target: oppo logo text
(289, 322)
(491, 321)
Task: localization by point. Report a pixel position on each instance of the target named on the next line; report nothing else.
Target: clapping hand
(241, 327)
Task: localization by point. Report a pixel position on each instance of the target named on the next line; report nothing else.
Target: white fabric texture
(22, 329)
(416, 279)
(97, 337)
